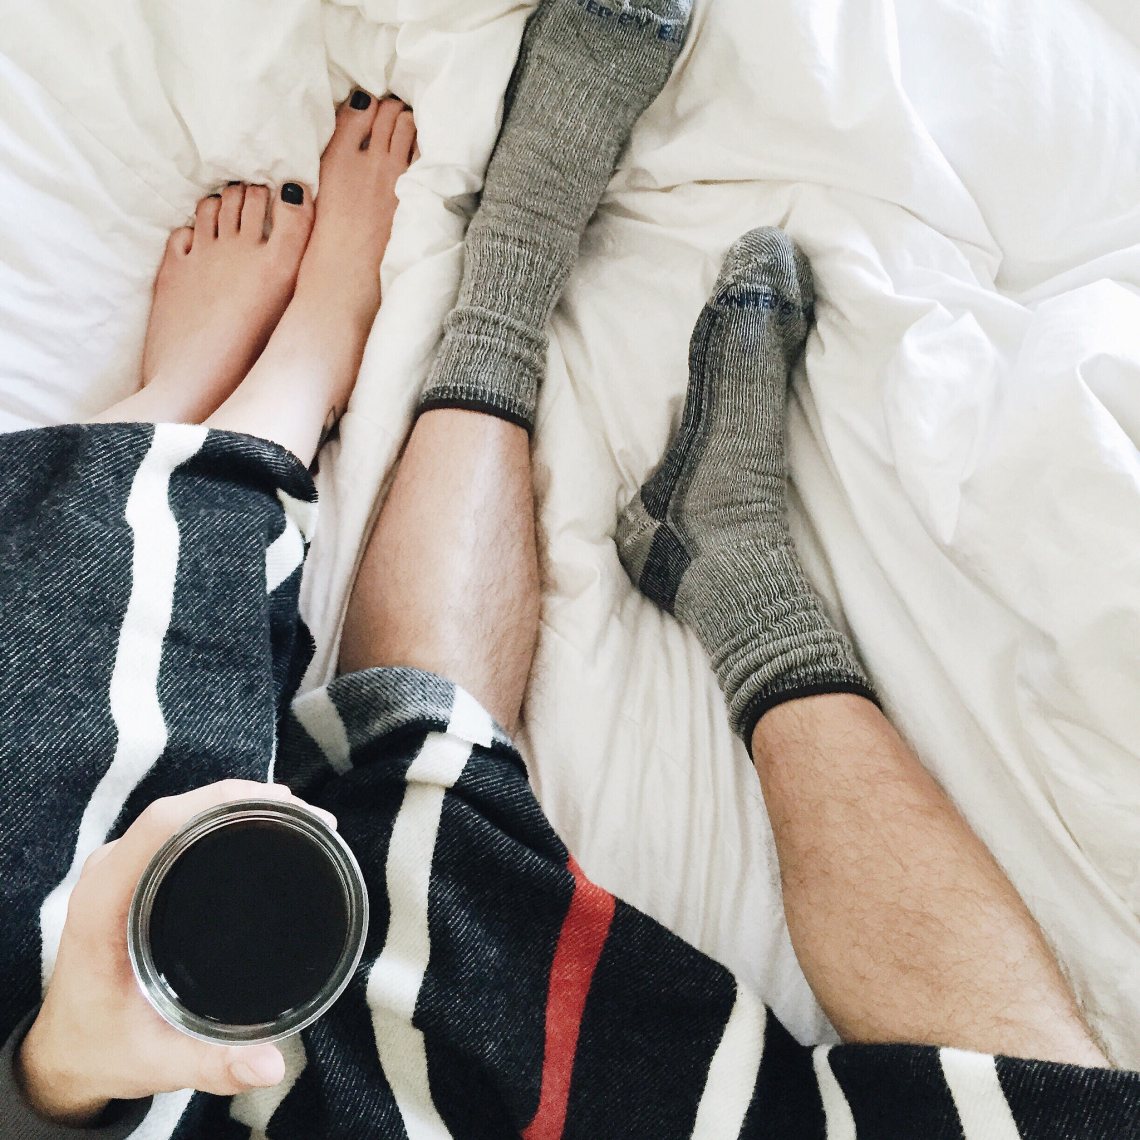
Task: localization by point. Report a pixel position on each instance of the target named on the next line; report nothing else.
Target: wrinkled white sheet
(964, 177)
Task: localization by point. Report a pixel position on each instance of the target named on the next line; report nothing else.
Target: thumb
(230, 1071)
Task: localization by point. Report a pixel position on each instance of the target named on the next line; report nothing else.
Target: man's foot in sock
(310, 365)
(221, 289)
(585, 74)
(706, 538)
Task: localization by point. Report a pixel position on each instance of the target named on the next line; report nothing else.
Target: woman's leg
(301, 384)
(213, 354)
(221, 289)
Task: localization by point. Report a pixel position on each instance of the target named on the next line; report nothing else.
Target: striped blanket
(148, 592)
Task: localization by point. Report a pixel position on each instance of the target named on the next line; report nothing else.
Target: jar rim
(154, 986)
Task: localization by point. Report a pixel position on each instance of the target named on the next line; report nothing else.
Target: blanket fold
(148, 593)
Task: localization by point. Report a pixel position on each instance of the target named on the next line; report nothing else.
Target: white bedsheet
(964, 177)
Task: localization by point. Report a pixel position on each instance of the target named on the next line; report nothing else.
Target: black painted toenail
(360, 100)
(293, 194)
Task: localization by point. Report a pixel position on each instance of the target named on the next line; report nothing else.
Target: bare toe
(217, 298)
(384, 125)
(354, 119)
(403, 145)
(179, 243)
(206, 219)
(229, 216)
(292, 219)
(253, 212)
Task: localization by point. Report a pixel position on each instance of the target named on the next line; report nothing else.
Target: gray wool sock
(707, 537)
(586, 71)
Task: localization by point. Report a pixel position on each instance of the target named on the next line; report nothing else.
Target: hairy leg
(904, 924)
(450, 578)
(449, 581)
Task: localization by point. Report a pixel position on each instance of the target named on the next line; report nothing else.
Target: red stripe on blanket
(584, 933)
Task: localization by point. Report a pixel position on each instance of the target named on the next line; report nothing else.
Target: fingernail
(360, 100)
(327, 816)
(293, 194)
(246, 1074)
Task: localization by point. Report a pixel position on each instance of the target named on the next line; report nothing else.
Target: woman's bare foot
(301, 383)
(370, 149)
(221, 289)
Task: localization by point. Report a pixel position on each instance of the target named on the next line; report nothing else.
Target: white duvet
(965, 176)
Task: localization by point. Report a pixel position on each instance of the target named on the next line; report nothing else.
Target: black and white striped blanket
(148, 598)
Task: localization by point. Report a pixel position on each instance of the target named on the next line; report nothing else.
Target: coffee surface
(249, 923)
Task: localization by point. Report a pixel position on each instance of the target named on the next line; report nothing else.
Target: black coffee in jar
(249, 923)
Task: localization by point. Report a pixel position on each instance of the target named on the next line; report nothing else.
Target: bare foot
(221, 289)
(303, 379)
(370, 149)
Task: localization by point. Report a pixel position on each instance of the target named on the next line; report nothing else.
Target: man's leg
(907, 929)
(905, 926)
(449, 581)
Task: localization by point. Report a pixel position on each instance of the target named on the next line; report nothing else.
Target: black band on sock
(472, 405)
(766, 701)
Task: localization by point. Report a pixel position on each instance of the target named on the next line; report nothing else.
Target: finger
(234, 1070)
(326, 817)
(217, 1069)
(96, 857)
(164, 817)
(86, 905)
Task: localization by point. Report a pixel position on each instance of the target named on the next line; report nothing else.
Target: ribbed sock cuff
(487, 363)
